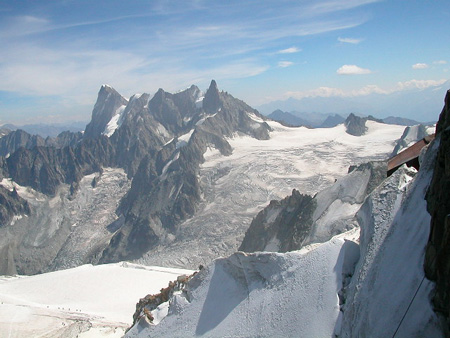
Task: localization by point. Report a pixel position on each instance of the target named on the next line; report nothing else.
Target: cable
(407, 309)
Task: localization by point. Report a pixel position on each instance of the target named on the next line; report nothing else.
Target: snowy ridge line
(241, 295)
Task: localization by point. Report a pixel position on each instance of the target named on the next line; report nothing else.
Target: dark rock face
(437, 259)
(64, 139)
(355, 125)
(281, 226)
(45, 168)
(21, 139)
(11, 204)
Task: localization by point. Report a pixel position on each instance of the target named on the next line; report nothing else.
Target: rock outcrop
(437, 259)
(299, 220)
(11, 204)
(281, 226)
(355, 125)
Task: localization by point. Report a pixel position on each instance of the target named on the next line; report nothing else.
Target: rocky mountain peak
(355, 125)
(108, 101)
(211, 102)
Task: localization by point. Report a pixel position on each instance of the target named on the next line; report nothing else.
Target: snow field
(103, 297)
(236, 187)
(262, 294)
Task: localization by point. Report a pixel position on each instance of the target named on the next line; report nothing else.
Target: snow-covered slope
(97, 299)
(261, 295)
(337, 288)
(236, 187)
(389, 294)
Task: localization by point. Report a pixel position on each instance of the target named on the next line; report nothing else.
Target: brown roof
(409, 153)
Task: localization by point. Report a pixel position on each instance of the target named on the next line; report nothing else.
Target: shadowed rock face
(11, 204)
(437, 259)
(281, 226)
(45, 168)
(21, 139)
(355, 125)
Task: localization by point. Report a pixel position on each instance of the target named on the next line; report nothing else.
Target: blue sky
(55, 55)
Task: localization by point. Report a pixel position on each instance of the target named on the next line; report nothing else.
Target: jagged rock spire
(212, 102)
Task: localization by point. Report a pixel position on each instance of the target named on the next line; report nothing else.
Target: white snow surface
(261, 295)
(236, 187)
(395, 228)
(115, 121)
(98, 299)
(183, 140)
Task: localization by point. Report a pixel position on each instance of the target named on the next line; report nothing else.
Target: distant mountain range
(422, 104)
(318, 120)
(312, 120)
(45, 130)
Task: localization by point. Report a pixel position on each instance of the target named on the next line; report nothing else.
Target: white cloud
(350, 40)
(317, 92)
(420, 84)
(289, 50)
(284, 64)
(420, 66)
(352, 70)
(366, 90)
(440, 62)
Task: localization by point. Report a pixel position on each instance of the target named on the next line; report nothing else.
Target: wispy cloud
(284, 64)
(352, 70)
(55, 49)
(290, 50)
(440, 62)
(363, 91)
(419, 84)
(350, 40)
(420, 66)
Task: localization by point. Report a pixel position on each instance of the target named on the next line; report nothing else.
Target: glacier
(236, 187)
(348, 286)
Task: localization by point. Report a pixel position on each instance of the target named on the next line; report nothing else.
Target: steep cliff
(437, 259)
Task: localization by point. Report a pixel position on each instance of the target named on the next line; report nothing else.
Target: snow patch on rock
(115, 121)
